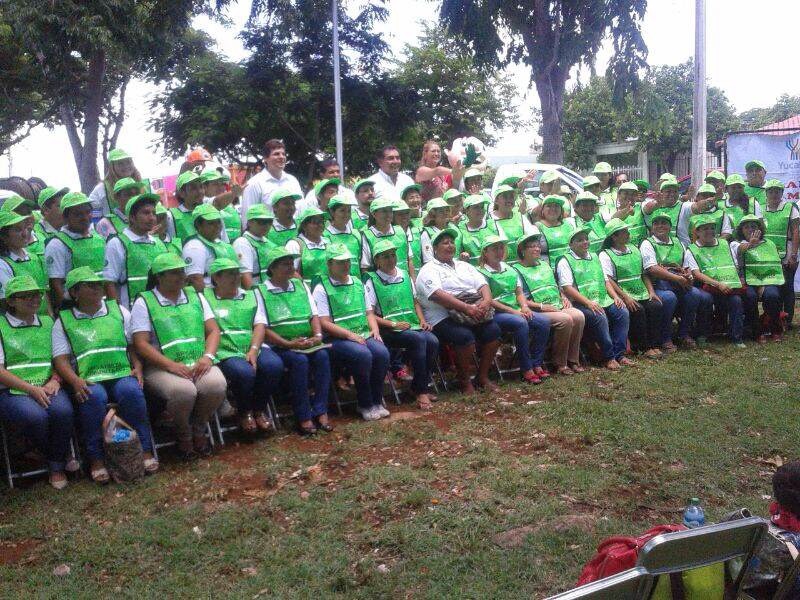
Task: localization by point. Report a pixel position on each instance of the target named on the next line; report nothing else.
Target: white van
(568, 176)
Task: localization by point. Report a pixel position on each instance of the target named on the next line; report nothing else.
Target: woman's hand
(526, 313)
(548, 308)
(623, 303)
(40, 395)
(252, 357)
(52, 387)
(473, 311)
(565, 302)
(724, 289)
(595, 307)
(201, 367)
(137, 373)
(179, 369)
(354, 337)
(81, 390)
(464, 256)
(655, 298)
(425, 326)
(402, 325)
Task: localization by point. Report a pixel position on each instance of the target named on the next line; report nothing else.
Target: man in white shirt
(261, 185)
(329, 169)
(389, 181)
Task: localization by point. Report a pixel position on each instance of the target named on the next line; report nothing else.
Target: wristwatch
(210, 356)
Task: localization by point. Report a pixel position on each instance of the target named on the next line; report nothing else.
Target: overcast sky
(752, 51)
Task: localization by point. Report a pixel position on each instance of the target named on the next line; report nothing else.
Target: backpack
(620, 553)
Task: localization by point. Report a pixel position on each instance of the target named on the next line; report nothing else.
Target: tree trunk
(669, 161)
(550, 87)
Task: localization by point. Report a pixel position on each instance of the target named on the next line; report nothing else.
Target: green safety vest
(98, 343)
(313, 263)
(261, 248)
(398, 236)
(218, 248)
(179, 329)
(28, 350)
(138, 258)
(541, 283)
(513, 228)
(353, 243)
(184, 224)
(716, 262)
(347, 305)
(628, 267)
(232, 222)
(735, 213)
(636, 225)
(395, 300)
(471, 241)
(557, 240)
(415, 246)
(777, 224)
(117, 223)
(755, 193)
(174, 245)
(597, 235)
(235, 317)
(717, 213)
(674, 213)
(288, 312)
(40, 238)
(589, 278)
(762, 265)
(668, 254)
(503, 284)
(86, 251)
(279, 238)
(359, 223)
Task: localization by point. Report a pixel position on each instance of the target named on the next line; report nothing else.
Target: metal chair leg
(7, 456)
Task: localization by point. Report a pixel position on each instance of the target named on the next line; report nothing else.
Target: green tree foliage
(86, 52)
(551, 37)
(786, 106)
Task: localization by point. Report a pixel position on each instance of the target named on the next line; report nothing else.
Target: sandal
(306, 431)
(323, 425)
(424, 402)
(541, 372)
(150, 465)
(626, 362)
(58, 480)
(531, 377)
(263, 422)
(576, 368)
(565, 371)
(248, 423)
(100, 475)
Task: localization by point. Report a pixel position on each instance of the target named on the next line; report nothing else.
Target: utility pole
(699, 110)
(337, 89)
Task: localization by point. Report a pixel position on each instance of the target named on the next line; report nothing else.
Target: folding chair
(632, 584)
(786, 588)
(11, 475)
(674, 553)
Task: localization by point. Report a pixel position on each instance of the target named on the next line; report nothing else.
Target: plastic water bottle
(694, 516)
(121, 435)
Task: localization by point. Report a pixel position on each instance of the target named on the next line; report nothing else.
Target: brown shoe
(262, 422)
(247, 423)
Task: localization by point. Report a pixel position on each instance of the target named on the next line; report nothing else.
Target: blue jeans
(48, 428)
(771, 300)
(537, 330)
(252, 387)
(787, 293)
(732, 305)
(609, 330)
(301, 369)
(460, 335)
(422, 348)
(129, 397)
(689, 303)
(669, 301)
(367, 363)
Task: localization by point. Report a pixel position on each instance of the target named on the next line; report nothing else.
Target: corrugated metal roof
(784, 127)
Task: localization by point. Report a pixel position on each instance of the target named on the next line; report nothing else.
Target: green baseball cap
(470, 173)
(475, 200)
(503, 189)
(754, 164)
(14, 202)
(9, 218)
(126, 183)
(535, 235)
(444, 232)
(586, 197)
(307, 213)
(773, 183)
(707, 188)
(340, 200)
(167, 262)
(660, 213)
(750, 219)
(154, 198)
(207, 212)
(549, 176)
(73, 199)
(277, 253)
(668, 183)
(400, 205)
(664, 176)
(116, 154)
(381, 203)
(361, 183)
(612, 227)
(590, 181)
(702, 219)
(337, 252)
(602, 167)
(259, 211)
(630, 186)
(81, 275)
(283, 194)
(185, 178)
(584, 229)
(436, 203)
(161, 209)
(491, 240)
(408, 188)
(222, 264)
(325, 183)
(382, 246)
(553, 199)
(450, 194)
(212, 174)
(49, 192)
(734, 179)
(715, 176)
(512, 180)
(641, 185)
(22, 283)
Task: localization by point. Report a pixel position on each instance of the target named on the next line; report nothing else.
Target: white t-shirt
(455, 278)
(564, 271)
(99, 200)
(5, 269)
(366, 251)
(385, 187)
(140, 316)
(61, 345)
(198, 258)
(246, 253)
(290, 288)
(321, 297)
(58, 258)
(369, 287)
(105, 227)
(261, 186)
(115, 268)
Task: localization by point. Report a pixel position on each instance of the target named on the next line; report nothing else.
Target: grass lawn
(481, 498)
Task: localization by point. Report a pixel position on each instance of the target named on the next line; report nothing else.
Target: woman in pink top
(435, 178)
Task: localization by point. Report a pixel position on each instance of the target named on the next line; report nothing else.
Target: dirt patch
(19, 551)
(514, 538)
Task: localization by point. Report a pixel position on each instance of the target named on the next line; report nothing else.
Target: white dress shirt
(261, 185)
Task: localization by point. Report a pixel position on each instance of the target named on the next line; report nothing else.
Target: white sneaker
(381, 411)
(369, 414)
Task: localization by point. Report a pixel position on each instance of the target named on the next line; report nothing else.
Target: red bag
(619, 553)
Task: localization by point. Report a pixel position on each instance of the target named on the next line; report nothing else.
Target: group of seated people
(174, 310)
